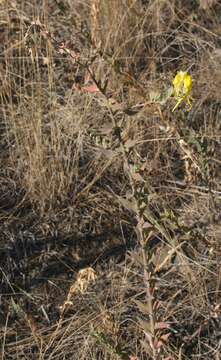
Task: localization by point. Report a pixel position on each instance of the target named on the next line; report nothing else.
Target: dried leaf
(144, 308)
(162, 325)
(162, 341)
(90, 89)
(146, 327)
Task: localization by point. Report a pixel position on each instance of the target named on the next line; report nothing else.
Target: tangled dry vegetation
(109, 201)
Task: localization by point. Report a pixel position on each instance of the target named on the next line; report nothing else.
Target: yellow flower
(182, 85)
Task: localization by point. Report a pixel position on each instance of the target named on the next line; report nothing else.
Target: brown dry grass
(98, 174)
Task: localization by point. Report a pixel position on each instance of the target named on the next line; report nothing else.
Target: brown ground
(109, 201)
